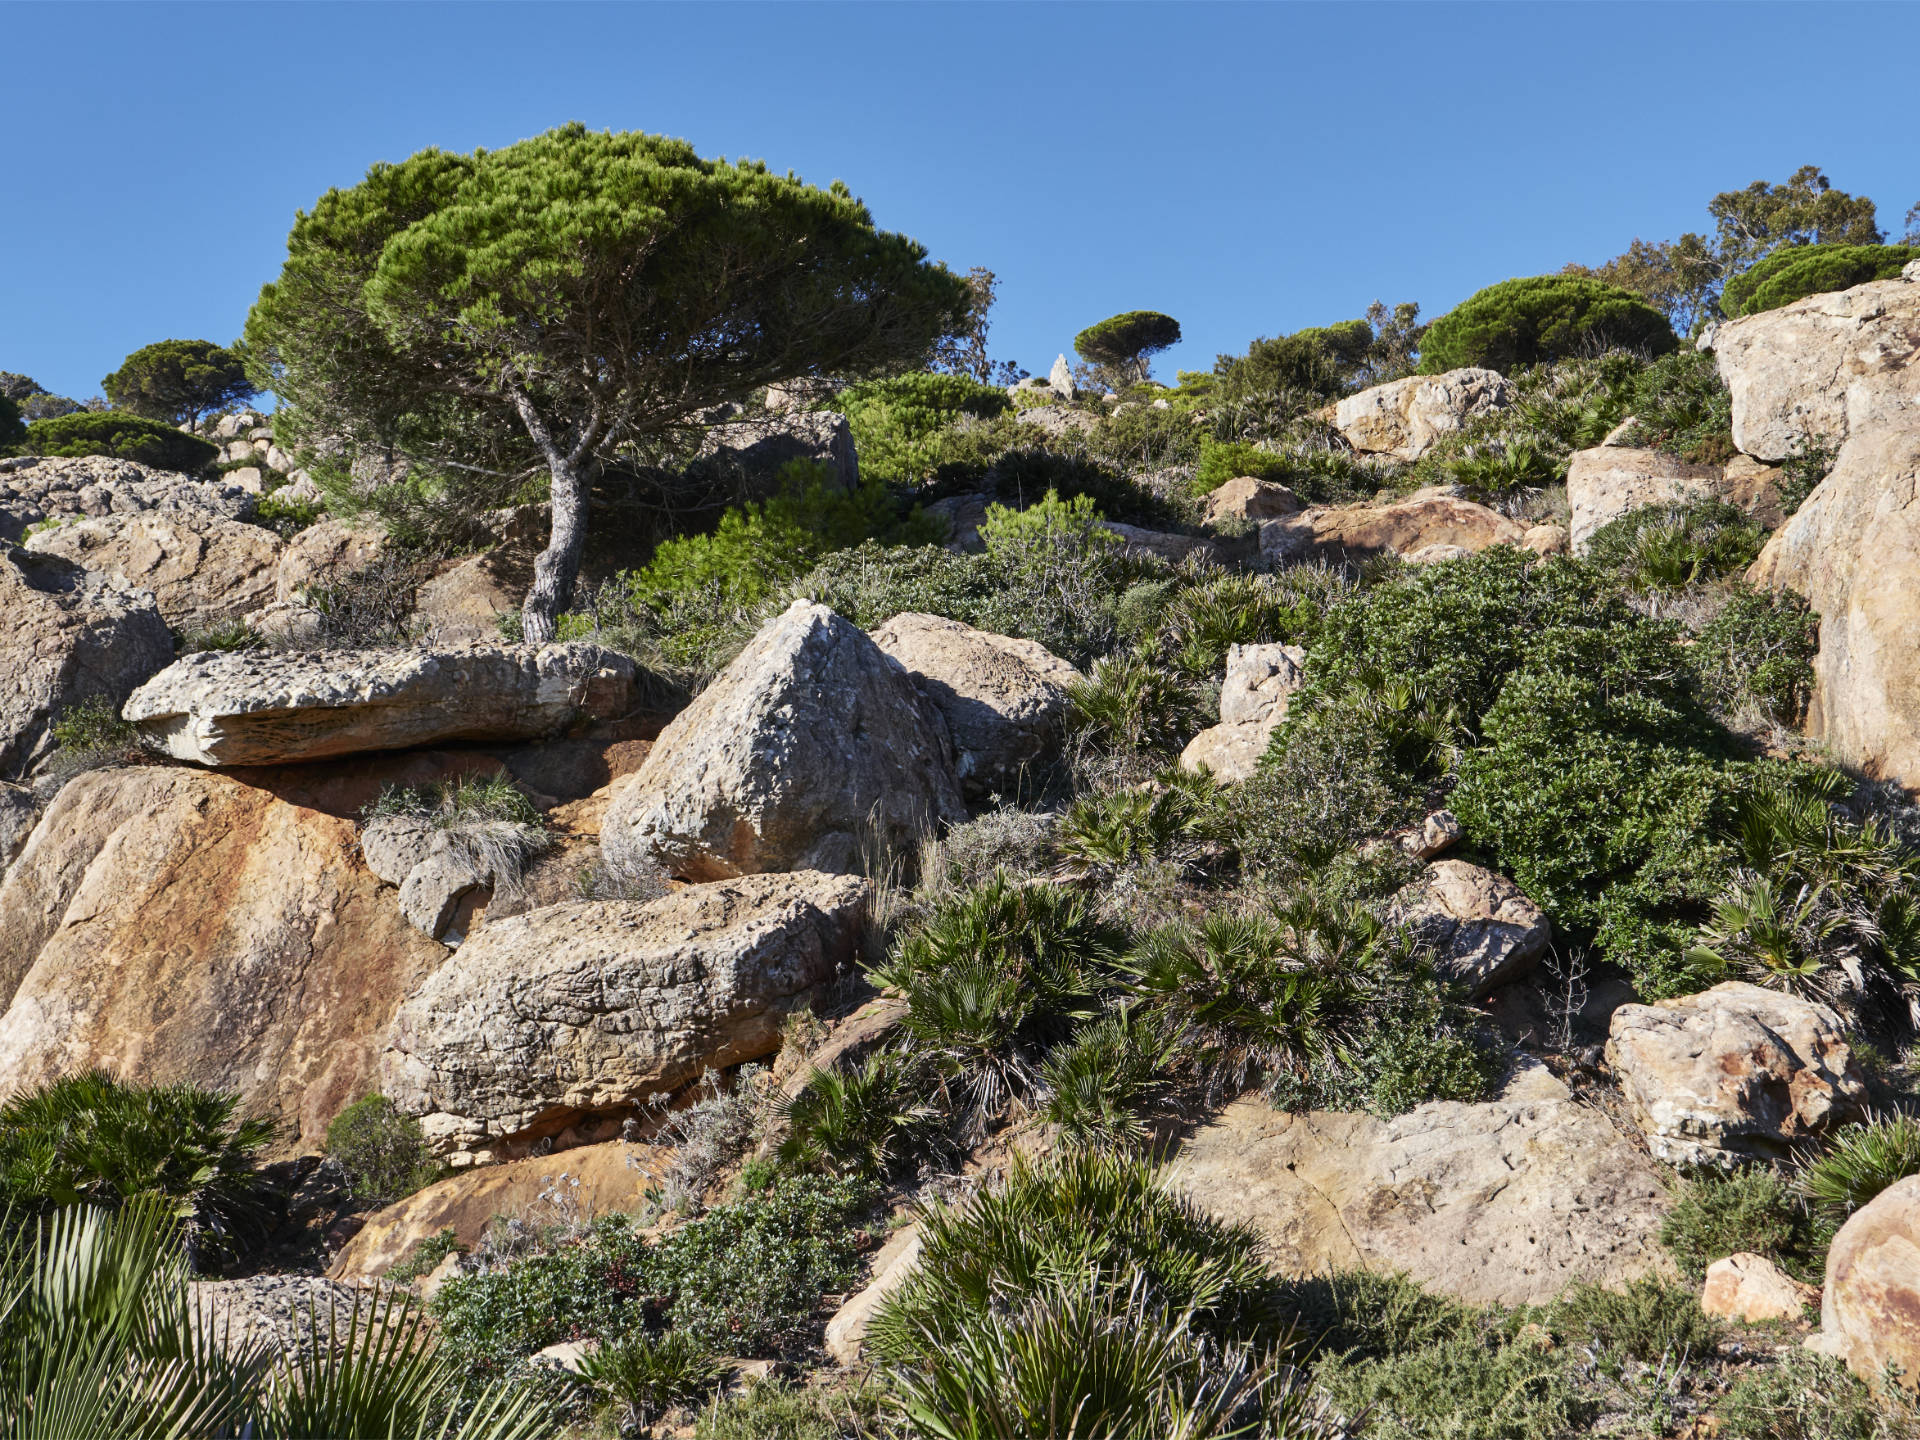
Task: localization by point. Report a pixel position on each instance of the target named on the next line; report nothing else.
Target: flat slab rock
(1503, 1203)
(264, 708)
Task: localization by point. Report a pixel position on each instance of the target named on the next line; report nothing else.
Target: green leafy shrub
(382, 1153)
(90, 1139)
(1681, 405)
(425, 1257)
(1547, 317)
(1165, 823)
(1860, 1162)
(1469, 1387)
(94, 727)
(121, 436)
(1794, 272)
(1224, 460)
(1669, 547)
(1199, 623)
(1100, 1084)
(1716, 1215)
(286, 515)
(1759, 651)
(894, 420)
(1650, 1319)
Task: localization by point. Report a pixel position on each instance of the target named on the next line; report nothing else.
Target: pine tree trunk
(559, 564)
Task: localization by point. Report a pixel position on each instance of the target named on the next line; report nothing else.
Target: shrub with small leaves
(382, 1152)
(1715, 1215)
(1758, 651)
(1649, 1319)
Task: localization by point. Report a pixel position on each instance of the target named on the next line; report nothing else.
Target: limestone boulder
(1003, 700)
(592, 1007)
(436, 890)
(171, 925)
(1733, 1073)
(324, 554)
(1547, 539)
(393, 845)
(1845, 366)
(1253, 702)
(757, 446)
(1246, 498)
(1435, 835)
(1162, 544)
(1752, 1289)
(1870, 1304)
(847, 1330)
(1482, 929)
(263, 708)
(202, 569)
(35, 488)
(70, 635)
(18, 811)
(963, 516)
(810, 747)
(1403, 527)
(1403, 418)
(465, 603)
(1605, 483)
(1501, 1203)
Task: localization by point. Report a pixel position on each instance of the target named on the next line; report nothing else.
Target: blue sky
(1248, 168)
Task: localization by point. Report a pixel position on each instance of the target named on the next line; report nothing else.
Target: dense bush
(121, 436)
(1795, 271)
(1224, 460)
(1805, 1396)
(13, 430)
(894, 421)
(1673, 546)
(1758, 652)
(381, 1152)
(1547, 317)
(1681, 405)
(1860, 1162)
(1715, 1215)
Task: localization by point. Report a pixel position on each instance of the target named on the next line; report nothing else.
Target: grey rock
(432, 893)
(1403, 418)
(204, 570)
(760, 445)
(392, 845)
(1482, 928)
(1060, 378)
(67, 487)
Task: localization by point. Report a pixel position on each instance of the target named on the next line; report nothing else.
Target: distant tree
(1122, 344)
(13, 430)
(1912, 237)
(122, 436)
(179, 381)
(1545, 317)
(1395, 350)
(572, 300)
(1679, 278)
(964, 352)
(1282, 376)
(17, 387)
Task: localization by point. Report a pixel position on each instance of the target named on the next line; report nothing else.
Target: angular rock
(847, 1330)
(170, 925)
(432, 893)
(1845, 366)
(325, 553)
(1246, 498)
(1162, 544)
(811, 745)
(1547, 540)
(18, 811)
(1435, 835)
(1403, 418)
(1401, 528)
(1483, 929)
(465, 604)
(263, 708)
(392, 845)
(591, 1007)
(1503, 1203)
(963, 516)
(1608, 482)
(1733, 1073)
(760, 445)
(1870, 1304)
(1253, 702)
(1060, 378)
(36, 488)
(1004, 700)
(1752, 1289)
(203, 570)
(70, 635)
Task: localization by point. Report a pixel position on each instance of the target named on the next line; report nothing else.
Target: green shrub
(1651, 1319)
(1860, 1162)
(1804, 1396)
(13, 430)
(94, 726)
(425, 1257)
(1224, 460)
(1795, 271)
(1466, 1388)
(644, 1375)
(863, 1122)
(1165, 823)
(121, 436)
(1681, 405)
(1754, 1210)
(1547, 317)
(286, 515)
(382, 1153)
(1100, 1084)
(778, 1410)
(90, 1139)
(1134, 704)
(894, 420)
(1197, 625)
(1670, 547)
(1759, 651)
(1370, 1315)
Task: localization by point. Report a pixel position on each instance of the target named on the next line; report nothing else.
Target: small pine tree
(179, 381)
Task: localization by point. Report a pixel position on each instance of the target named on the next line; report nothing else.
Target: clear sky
(1248, 168)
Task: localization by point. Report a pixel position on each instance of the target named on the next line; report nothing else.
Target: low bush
(862, 1122)
(1173, 822)
(895, 422)
(1757, 654)
(1715, 1215)
(286, 515)
(368, 609)
(1794, 272)
(1546, 317)
(644, 1375)
(1471, 1387)
(1224, 460)
(94, 729)
(122, 437)
(1199, 623)
(425, 1257)
(1134, 704)
(1670, 547)
(1101, 1084)
(1804, 1396)
(779, 1410)
(382, 1153)
(1649, 1320)
(1861, 1161)
(1681, 405)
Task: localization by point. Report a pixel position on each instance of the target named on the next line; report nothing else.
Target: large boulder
(1248, 498)
(757, 446)
(1004, 700)
(588, 1009)
(1611, 480)
(265, 708)
(70, 635)
(1502, 1203)
(36, 488)
(171, 925)
(1403, 418)
(1870, 1304)
(1426, 518)
(1253, 702)
(324, 554)
(812, 745)
(1481, 928)
(1733, 1073)
(203, 570)
(1846, 367)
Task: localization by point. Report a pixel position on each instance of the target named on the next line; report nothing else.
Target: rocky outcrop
(1845, 367)
(203, 570)
(1733, 1073)
(18, 811)
(171, 925)
(70, 635)
(1870, 1304)
(262, 708)
(812, 745)
(1434, 516)
(1403, 418)
(36, 488)
(1253, 702)
(1503, 1203)
(847, 1330)
(591, 1007)
(1605, 483)
(1162, 544)
(325, 554)
(1004, 700)
(760, 445)
(1246, 498)
(1752, 1290)
(1481, 928)
(284, 1317)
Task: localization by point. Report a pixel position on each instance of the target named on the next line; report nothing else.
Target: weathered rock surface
(963, 515)
(1845, 366)
(1423, 519)
(324, 554)
(1483, 929)
(392, 845)
(36, 488)
(1161, 544)
(811, 745)
(594, 1006)
(1435, 835)
(1253, 702)
(1752, 1289)
(599, 1179)
(1003, 699)
(465, 603)
(760, 445)
(1870, 1304)
(1547, 539)
(1605, 483)
(1403, 418)
(18, 811)
(1733, 1073)
(847, 1331)
(263, 708)
(1502, 1203)
(172, 925)
(286, 1316)
(434, 891)
(1247, 498)
(70, 635)
(203, 570)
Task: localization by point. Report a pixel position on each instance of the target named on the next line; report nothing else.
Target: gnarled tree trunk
(559, 564)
